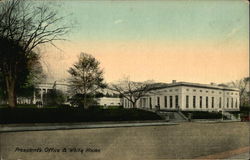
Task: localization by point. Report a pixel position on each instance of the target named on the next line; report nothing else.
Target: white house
(189, 97)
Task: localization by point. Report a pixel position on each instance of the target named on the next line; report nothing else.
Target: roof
(156, 86)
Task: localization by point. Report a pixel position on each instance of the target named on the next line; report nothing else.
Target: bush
(203, 115)
(70, 114)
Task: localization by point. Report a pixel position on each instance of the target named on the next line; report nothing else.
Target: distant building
(44, 88)
(189, 97)
(108, 101)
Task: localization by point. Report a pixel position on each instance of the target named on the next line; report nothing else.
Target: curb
(80, 126)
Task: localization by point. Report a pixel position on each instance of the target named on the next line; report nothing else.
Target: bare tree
(23, 27)
(86, 77)
(131, 90)
(243, 86)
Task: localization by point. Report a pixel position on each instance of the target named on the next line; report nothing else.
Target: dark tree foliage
(86, 78)
(23, 27)
(55, 97)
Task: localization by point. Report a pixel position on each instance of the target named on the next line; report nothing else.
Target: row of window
(212, 102)
(171, 99)
(194, 90)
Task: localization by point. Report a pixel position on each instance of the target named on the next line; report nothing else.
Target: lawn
(67, 114)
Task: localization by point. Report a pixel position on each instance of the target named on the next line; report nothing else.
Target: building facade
(109, 101)
(189, 97)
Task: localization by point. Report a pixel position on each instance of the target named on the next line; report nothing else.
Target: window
(232, 102)
(187, 101)
(176, 89)
(220, 103)
(187, 89)
(200, 101)
(206, 102)
(176, 101)
(236, 103)
(206, 91)
(227, 102)
(171, 101)
(194, 101)
(170, 90)
(150, 102)
(212, 102)
(158, 101)
(165, 101)
(125, 103)
(212, 91)
(194, 90)
(200, 90)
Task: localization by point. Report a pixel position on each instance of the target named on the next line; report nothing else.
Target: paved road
(184, 141)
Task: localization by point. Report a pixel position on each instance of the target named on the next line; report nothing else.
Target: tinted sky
(196, 41)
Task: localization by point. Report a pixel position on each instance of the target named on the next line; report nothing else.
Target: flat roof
(188, 84)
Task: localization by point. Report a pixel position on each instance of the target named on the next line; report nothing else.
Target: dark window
(158, 101)
(194, 101)
(176, 102)
(236, 103)
(220, 103)
(227, 102)
(206, 102)
(200, 101)
(150, 102)
(165, 101)
(171, 101)
(212, 102)
(232, 103)
(187, 101)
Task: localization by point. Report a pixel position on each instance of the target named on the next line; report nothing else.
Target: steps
(229, 116)
(172, 116)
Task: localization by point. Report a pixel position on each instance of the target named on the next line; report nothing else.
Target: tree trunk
(134, 104)
(11, 91)
(84, 101)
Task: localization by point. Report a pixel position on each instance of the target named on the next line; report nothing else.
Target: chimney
(173, 81)
(212, 83)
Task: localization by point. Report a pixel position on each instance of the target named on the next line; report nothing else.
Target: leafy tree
(55, 97)
(24, 27)
(80, 99)
(86, 77)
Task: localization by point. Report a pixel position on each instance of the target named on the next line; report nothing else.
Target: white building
(189, 97)
(109, 101)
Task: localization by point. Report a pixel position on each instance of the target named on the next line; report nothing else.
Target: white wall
(183, 91)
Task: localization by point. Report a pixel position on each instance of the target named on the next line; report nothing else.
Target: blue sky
(159, 20)
(188, 40)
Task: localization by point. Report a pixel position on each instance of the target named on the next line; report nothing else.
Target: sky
(193, 41)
